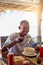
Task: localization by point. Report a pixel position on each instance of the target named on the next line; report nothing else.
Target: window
(9, 22)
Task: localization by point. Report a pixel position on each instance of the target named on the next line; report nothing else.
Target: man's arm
(18, 40)
(8, 46)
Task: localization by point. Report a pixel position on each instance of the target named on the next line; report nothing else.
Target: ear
(19, 27)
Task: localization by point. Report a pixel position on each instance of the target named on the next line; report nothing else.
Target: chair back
(3, 39)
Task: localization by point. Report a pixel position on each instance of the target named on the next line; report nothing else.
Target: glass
(39, 59)
(41, 51)
(10, 58)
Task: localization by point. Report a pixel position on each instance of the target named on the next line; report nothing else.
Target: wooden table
(19, 59)
(32, 60)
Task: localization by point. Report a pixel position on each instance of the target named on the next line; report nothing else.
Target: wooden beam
(9, 6)
(4, 6)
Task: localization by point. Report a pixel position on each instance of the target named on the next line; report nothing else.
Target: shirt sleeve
(7, 41)
(10, 39)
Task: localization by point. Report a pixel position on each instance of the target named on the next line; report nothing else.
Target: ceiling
(21, 1)
(25, 5)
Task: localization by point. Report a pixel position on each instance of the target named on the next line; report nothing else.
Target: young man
(16, 42)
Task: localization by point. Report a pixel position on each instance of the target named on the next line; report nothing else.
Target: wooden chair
(3, 39)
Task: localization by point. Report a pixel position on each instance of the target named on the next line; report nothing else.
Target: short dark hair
(24, 21)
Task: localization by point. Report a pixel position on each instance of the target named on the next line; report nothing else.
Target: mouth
(22, 34)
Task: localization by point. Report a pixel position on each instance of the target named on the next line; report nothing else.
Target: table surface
(19, 59)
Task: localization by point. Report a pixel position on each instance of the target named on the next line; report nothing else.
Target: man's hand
(20, 39)
(37, 48)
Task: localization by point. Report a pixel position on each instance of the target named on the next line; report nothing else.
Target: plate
(29, 54)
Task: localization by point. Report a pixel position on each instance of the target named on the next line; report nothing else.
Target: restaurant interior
(11, 13)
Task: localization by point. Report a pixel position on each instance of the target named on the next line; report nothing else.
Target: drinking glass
(10, 58)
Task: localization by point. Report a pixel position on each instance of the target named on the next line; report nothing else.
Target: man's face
(24, 29)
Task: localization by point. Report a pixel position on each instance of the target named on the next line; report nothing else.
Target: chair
(3, 39)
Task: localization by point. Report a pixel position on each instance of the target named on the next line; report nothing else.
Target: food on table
(26, 63)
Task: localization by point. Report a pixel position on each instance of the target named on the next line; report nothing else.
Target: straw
(8, 49)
